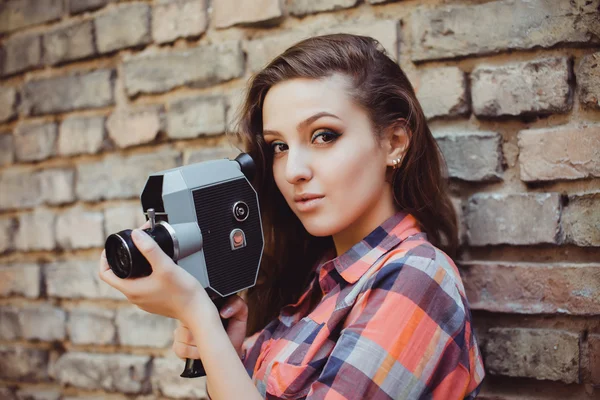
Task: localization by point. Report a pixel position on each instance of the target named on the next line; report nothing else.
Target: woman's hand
(169, 290)
(234, 310)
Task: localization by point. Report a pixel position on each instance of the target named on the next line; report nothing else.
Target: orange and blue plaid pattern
(394, 323)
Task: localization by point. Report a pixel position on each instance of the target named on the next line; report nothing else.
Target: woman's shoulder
(417, 265)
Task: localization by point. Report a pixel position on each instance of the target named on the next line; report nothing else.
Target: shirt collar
(352, 264)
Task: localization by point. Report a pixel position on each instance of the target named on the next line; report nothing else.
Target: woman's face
(324, 147)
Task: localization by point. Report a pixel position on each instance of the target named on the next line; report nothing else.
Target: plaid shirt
(394, 323)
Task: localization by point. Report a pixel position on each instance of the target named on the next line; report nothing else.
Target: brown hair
(380, 86)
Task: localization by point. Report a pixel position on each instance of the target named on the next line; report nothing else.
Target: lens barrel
(125, 259)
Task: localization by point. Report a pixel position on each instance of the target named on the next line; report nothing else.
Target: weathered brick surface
(121, 372)
(539, 86)
(471, 155)
(70, 92)
(8, 103)
(234, 100)
(192, 117)
(441, 32)
(594, 355)
(262, 51)
(19, 188)
(443, 92)
(35, 141)
(20, 279)
(245, 12)
(57, 185)
(126, 25)
(581, 219)
(130, 127)
(117, 177)
(36, 230)
(79, 6)
(78, 228)
(531, 288)
(78, 279)
(7, 149)
(166, 379)
(563, 152)
(199, 155)
(91, 325)
(69, 42)
(10, 328)
(17, 14)
(21, 53)
(179, 18)
(38, 394)
(127, 216)
(32, 318)
(519, 219)
(588, 80)
(7, 394)
(386, 31)
(7, 229)
(157, 330)
(22, 363)
(303, 7)
(159, 72)
(81, 135)
(533, 353)
(131, 86)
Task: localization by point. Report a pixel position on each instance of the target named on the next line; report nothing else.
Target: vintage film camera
(206, 217)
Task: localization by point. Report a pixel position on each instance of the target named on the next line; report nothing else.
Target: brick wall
(96, 94)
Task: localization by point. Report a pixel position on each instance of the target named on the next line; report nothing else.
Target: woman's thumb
(149, 249)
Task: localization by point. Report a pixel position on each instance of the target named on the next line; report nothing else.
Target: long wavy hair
(380, 86)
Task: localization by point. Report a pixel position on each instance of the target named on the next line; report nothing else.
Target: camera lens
(125, 259)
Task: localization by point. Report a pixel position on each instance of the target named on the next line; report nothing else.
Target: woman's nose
(298, 166)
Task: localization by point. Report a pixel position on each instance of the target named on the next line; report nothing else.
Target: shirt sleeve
(406, 337)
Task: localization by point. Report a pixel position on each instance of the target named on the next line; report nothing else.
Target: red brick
(245, 12)
(581, 219)
(594, 355)
(516, 218)
(532, 87)
(533, 288)
(532, 353)
(449, 31)
(564, 152)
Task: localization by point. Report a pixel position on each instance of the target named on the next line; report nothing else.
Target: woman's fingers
(150, 250)
(184, 335)
(184, 351)
(236, 308)
(183, 343)
(147, 224)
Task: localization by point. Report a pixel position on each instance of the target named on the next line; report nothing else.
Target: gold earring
(396, 162)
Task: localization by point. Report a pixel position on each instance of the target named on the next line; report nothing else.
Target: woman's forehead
(292, 101)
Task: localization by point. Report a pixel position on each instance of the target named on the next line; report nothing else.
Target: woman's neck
(365, 223)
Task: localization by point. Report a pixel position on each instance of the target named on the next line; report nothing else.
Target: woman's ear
(397, 139)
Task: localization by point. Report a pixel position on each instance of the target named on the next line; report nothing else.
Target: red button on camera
(237, 239)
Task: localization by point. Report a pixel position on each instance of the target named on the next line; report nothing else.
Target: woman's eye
(278, 147)
(325, 136)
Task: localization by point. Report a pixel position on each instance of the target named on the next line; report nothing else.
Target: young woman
(357, 296)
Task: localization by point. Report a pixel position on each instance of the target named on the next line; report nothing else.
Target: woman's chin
(319, 226)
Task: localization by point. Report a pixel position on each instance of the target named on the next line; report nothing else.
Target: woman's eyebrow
(304, 123)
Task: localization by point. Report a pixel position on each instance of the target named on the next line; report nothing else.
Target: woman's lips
(309, 204)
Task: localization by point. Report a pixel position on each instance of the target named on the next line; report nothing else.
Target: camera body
(206, 217)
